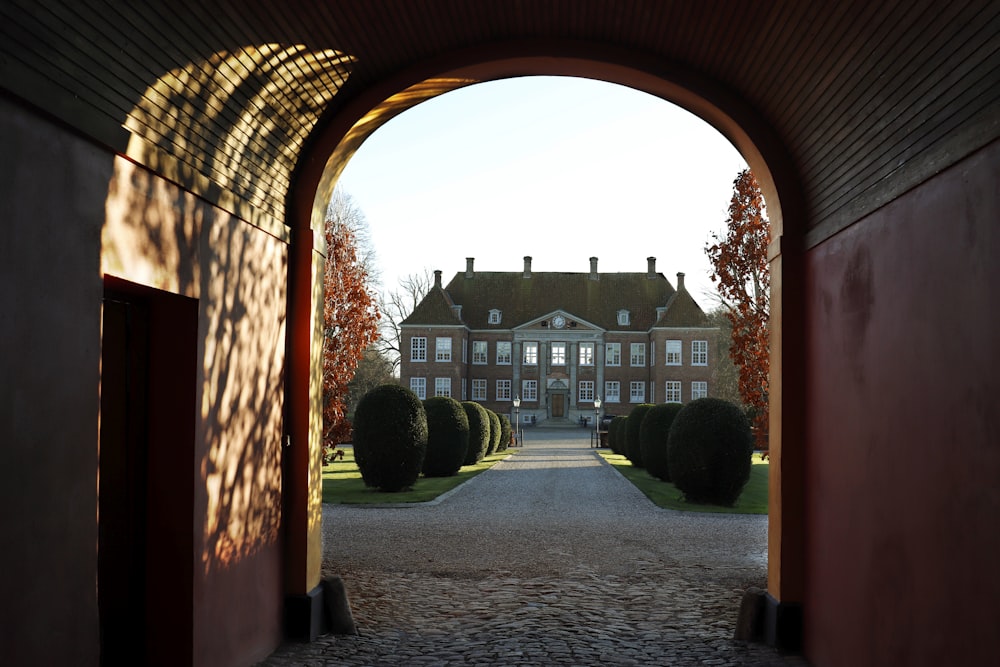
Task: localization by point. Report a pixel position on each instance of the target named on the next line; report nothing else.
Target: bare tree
(342, 211)
(395, 307)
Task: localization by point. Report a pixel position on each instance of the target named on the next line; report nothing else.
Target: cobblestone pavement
(549, 558)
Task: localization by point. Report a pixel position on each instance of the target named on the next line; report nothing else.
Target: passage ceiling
(865, 97)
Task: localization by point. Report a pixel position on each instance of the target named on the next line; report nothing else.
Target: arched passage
(348, 124)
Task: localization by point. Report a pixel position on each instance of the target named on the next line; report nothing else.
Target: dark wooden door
(558, 405)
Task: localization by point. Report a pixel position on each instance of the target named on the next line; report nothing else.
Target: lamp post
(597, 421)
(517, 419)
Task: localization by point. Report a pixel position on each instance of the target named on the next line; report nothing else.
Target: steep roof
(522, 299)
(683, 311)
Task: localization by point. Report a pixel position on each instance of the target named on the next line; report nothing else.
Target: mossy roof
(523, 300)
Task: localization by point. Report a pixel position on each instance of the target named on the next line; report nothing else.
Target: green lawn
(342, 482)
(664, 494)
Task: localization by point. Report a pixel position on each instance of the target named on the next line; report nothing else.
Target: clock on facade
(558, 321)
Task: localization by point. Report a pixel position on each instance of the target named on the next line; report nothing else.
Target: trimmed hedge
(632, 449)
(616, 434)
(653, 436)
(709, 450)
(390, 437)
(447, 436)
(506, 430)
(494, 432)
(479, 432)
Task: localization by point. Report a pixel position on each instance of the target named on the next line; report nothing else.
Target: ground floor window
(637, 392)
(503, 390)
(419, 387)
(529, 390)
(699, 390)
(673, 394)
(612, 392)
(479, 390)
(442, 387)
(586, 391)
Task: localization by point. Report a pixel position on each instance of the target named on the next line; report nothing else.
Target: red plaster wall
(903, 451)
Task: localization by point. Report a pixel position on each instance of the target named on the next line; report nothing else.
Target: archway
(350, 122)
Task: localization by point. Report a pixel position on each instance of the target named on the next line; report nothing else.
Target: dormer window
(623, 317)
(495, 316)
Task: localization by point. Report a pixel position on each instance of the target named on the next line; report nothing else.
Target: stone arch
(354, 118)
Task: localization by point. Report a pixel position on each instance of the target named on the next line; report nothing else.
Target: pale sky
(561, 169)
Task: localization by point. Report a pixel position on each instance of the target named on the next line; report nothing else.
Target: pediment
(558, 320)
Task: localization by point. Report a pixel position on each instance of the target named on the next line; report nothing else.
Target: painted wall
(51, 211)
(73, 212)
(903, 449)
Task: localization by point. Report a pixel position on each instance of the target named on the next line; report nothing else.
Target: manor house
(558, 341)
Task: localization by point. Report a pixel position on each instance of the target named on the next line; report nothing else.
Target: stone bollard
(750, 621)
(339, 619)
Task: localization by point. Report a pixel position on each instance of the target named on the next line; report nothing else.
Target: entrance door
(558, 405)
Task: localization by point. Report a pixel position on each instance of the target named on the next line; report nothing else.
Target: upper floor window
(442, 349)
(673, 357)
(636, 392)
(418, 348)
(558, 353)
(419, 387)
(530, 357)
(637, 354)
(613, 354)
(442, 387)
(495, 316)
(586, 354)
(479, 352)
(503, 353)
(623, 317)
(699, 353)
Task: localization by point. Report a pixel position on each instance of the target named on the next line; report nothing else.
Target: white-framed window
(418, 348)
(586, 354)
(479, 352)
(699, 389)
(558, 354)
(636, 391)
(419, 387)
(623, 317)
(529, 390)
(465, 352)
(586, 391)
(442, 349)
(673, 357)
(495, 316)
(478, 390)
(503, 390)
(529, 355)
(637, 354)
(612, 354)
(673, 392)
(612, 391)
(442, 387)
(503, 353)
(699, 353)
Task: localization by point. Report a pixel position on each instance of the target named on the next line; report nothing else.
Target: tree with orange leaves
(739, 262)
(350, 313)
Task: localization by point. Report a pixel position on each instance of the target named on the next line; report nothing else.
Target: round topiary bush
(653, 438)
(632, 449)
(709, 451)
(505, 432)
(616, 434)
(447, 436)
(390, 437)
(494, 432)
(479, 432)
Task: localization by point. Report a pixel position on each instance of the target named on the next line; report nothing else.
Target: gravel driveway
(549, 558)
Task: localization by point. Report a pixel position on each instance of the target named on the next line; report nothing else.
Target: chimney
(527, 267)
(593, 268)
(680, 282)
(468, 266)
(650, 267)
(437, 279)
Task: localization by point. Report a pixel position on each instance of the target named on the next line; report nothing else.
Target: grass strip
(753, 500)
(342, 483)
